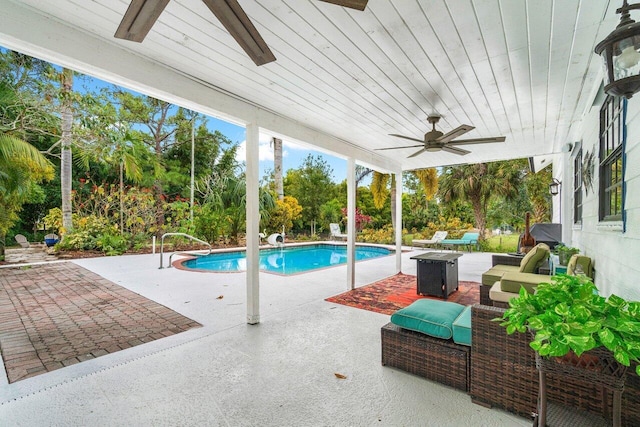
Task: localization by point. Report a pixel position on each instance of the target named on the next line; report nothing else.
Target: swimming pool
(286, 260)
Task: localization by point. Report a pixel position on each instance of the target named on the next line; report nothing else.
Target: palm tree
(429, 180)
(380, 192)
(65, 143)
(22, 166)
(478, 183)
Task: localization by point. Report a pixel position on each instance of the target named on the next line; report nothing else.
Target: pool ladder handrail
(181, 253)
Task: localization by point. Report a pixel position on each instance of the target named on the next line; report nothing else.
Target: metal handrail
(181, 253)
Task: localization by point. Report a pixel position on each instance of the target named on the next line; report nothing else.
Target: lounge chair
(22, 241)
(336, 233)
(468, 239)
(437, 237)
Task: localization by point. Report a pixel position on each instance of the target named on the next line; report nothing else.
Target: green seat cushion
(495, 273)
(513, 281)
(431, 317)
(462, 327)
(580, 263)
(534, 258)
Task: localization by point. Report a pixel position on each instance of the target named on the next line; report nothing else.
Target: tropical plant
(22, 166)
(567, 315)
(478, 183)
(565, 252)
(360, 218)
(284, 213)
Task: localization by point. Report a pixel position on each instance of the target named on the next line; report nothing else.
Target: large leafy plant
(568, 315)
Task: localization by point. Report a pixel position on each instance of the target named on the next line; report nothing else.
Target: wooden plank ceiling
(522, 69)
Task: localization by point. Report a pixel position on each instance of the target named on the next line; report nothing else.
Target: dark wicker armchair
(504, 374)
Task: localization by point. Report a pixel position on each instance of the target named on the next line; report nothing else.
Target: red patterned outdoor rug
(396, 292)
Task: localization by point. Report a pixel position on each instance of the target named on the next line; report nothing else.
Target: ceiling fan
(142, 14)
(436, 140)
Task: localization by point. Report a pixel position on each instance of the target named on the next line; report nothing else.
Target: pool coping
(178, 263)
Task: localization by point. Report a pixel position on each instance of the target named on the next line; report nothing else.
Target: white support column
(253, 226)
(351, 223)
(398, 229)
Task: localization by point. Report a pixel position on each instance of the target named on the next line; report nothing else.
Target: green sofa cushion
(431, 317)
(534, 258)
(512, 282)
(495, 273)
(580, 263)
(462, 327)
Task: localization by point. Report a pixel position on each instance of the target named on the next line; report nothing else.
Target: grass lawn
(502, 243)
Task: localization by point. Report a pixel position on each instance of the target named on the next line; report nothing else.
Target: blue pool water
(287, 260)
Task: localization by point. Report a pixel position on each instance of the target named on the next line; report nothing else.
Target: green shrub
(112, 244)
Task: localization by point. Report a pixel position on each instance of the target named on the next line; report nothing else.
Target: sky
(292, 154)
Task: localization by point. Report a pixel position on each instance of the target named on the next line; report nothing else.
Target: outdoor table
(437, 273)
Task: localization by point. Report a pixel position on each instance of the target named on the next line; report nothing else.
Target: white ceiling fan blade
(417, 153)
(397, 148)
(478, 141)
(406, 137)
(460, 130)
(455, 150)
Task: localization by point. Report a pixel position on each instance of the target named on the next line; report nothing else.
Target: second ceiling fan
(142, 14)
(437, 141)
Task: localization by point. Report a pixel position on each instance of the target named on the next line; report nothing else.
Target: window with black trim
(577, 188)
(611, 142)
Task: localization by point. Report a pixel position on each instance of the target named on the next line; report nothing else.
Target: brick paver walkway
(56, 315)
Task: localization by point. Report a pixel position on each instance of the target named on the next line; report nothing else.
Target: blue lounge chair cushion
(431, 317)
(462, 327)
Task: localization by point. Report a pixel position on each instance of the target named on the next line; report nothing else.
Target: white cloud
(265, 149)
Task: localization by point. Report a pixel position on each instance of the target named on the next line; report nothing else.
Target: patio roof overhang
(344, 80)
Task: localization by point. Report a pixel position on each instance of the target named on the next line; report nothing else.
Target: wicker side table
(597, 366)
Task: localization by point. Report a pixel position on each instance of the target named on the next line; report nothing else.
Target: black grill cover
(548, 233)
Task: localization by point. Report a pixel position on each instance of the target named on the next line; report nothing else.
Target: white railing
(181, 253)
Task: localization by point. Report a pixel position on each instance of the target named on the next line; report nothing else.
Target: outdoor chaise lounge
(22, 240)
(336, 233)
(437, 237)
(467, 240)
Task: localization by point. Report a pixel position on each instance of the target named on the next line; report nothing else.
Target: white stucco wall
(616, 253)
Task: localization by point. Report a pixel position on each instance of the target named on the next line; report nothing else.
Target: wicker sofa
(522, 270)
(504, 375)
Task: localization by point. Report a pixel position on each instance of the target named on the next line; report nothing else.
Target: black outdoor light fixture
(554, 187)
(619, 51)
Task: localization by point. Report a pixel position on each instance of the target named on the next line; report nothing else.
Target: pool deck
(280, 372)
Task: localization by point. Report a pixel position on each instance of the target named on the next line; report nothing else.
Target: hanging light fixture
(621, 56)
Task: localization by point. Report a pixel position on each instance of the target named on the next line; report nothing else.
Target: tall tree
(478, 183)
(65, 141)
(277, 167)
(312, 186)
(156, 117)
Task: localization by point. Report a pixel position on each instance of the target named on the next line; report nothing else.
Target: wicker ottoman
(433, 358)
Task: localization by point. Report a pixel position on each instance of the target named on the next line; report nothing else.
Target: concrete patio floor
(277, 373)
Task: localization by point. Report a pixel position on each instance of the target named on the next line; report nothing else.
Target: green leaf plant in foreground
(568, 315)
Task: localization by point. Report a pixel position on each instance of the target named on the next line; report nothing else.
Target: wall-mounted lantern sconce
(554, 187)
(621, 56)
